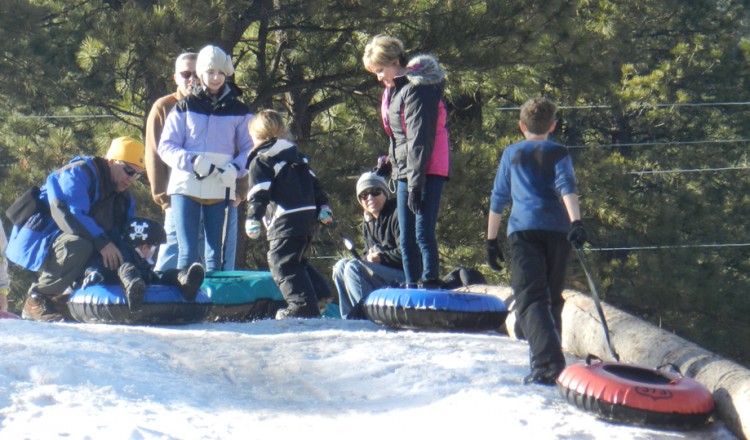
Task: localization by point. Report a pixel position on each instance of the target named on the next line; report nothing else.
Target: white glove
(229, 175)
(203, 167)
(252, 228)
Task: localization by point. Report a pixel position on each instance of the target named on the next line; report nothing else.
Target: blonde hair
(267, 124)
(382, 51)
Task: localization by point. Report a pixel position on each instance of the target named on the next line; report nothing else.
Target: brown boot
(46, 308)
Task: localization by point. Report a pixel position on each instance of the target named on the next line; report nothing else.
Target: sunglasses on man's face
(187, 74)
(375, 192)
(130, 171)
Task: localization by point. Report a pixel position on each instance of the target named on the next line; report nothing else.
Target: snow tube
(425, 309)
(636, 395)
(8, 315)
(242, 295)
(162, 305)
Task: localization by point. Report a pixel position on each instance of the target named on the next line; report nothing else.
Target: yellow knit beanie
(128, 150)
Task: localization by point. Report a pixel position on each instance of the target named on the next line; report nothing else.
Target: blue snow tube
(162, 305)
(242, 295)
(425, 309)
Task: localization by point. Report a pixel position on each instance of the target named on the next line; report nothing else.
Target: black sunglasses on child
(186, 74)
(370, 192)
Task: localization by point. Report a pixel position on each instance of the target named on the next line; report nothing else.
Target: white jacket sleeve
(4, 278)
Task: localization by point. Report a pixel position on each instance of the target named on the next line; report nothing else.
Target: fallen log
(642, 343)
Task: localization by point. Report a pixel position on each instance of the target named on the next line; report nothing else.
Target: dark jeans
(538, 263)
(300, 284)
(418, 241)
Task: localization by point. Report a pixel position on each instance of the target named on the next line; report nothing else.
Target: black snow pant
(538, 264)
(300, 284)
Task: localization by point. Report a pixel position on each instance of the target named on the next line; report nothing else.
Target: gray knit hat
(212, 57)
(371, 180)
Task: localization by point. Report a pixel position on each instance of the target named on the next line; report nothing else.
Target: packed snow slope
(318, 378)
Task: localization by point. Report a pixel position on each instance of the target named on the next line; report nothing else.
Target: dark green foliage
(625, 73)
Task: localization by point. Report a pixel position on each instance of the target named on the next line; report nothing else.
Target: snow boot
(92, 277)
(544, 374)
(190, 281)
(133, 285)
(46, 308)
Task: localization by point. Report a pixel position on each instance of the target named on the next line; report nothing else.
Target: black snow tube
(162, 305)
(425, 309)
(636, 395)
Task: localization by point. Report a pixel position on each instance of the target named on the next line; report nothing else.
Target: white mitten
(203, 167)
(229, 175)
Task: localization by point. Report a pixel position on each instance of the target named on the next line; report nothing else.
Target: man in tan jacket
(158, 171)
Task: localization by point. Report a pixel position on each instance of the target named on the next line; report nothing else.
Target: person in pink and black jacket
(415, 119)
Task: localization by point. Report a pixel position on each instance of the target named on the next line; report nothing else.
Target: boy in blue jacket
(536, 178)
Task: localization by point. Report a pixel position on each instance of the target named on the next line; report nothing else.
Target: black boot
(91, 277)
(545, 374)
(133, 285)
(190, 281)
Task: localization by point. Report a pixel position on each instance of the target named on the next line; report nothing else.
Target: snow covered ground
(280, 379)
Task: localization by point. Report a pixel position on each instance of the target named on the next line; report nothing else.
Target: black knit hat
(143, 230)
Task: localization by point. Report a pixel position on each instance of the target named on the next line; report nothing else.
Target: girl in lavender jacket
(206, 143)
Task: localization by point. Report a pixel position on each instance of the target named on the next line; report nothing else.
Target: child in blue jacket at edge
(281, 177)
(536, 178)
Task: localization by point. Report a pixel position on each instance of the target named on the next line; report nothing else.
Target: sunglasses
(375, 192)
(187, 74)
(130, 171)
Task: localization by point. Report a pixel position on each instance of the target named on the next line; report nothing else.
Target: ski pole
(597, 302)
(225, 229)
(349, 245)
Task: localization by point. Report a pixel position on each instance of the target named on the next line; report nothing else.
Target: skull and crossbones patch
(139, 231)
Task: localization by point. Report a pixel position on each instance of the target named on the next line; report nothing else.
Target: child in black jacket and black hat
(137, 243)
(281, 178)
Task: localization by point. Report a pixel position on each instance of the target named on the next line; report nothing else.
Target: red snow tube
(8, 315)
(636, 395)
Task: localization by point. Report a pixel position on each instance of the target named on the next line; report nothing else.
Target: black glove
(494, 255)
(414, 202)
(384, 167)
(577, 235)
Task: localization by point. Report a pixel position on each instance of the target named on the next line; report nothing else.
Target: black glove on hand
(414, 202)
(384, 167)
(577, 235)
(494, 255)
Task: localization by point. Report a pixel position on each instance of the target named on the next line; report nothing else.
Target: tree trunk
(642, 343)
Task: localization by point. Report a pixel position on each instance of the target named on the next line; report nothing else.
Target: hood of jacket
(280, 150)
(424, 70)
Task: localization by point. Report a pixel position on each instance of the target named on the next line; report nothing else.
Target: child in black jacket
(281, 178)
(137, 243)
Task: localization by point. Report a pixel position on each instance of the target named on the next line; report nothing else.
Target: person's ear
(522, 126)
(552, 127)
